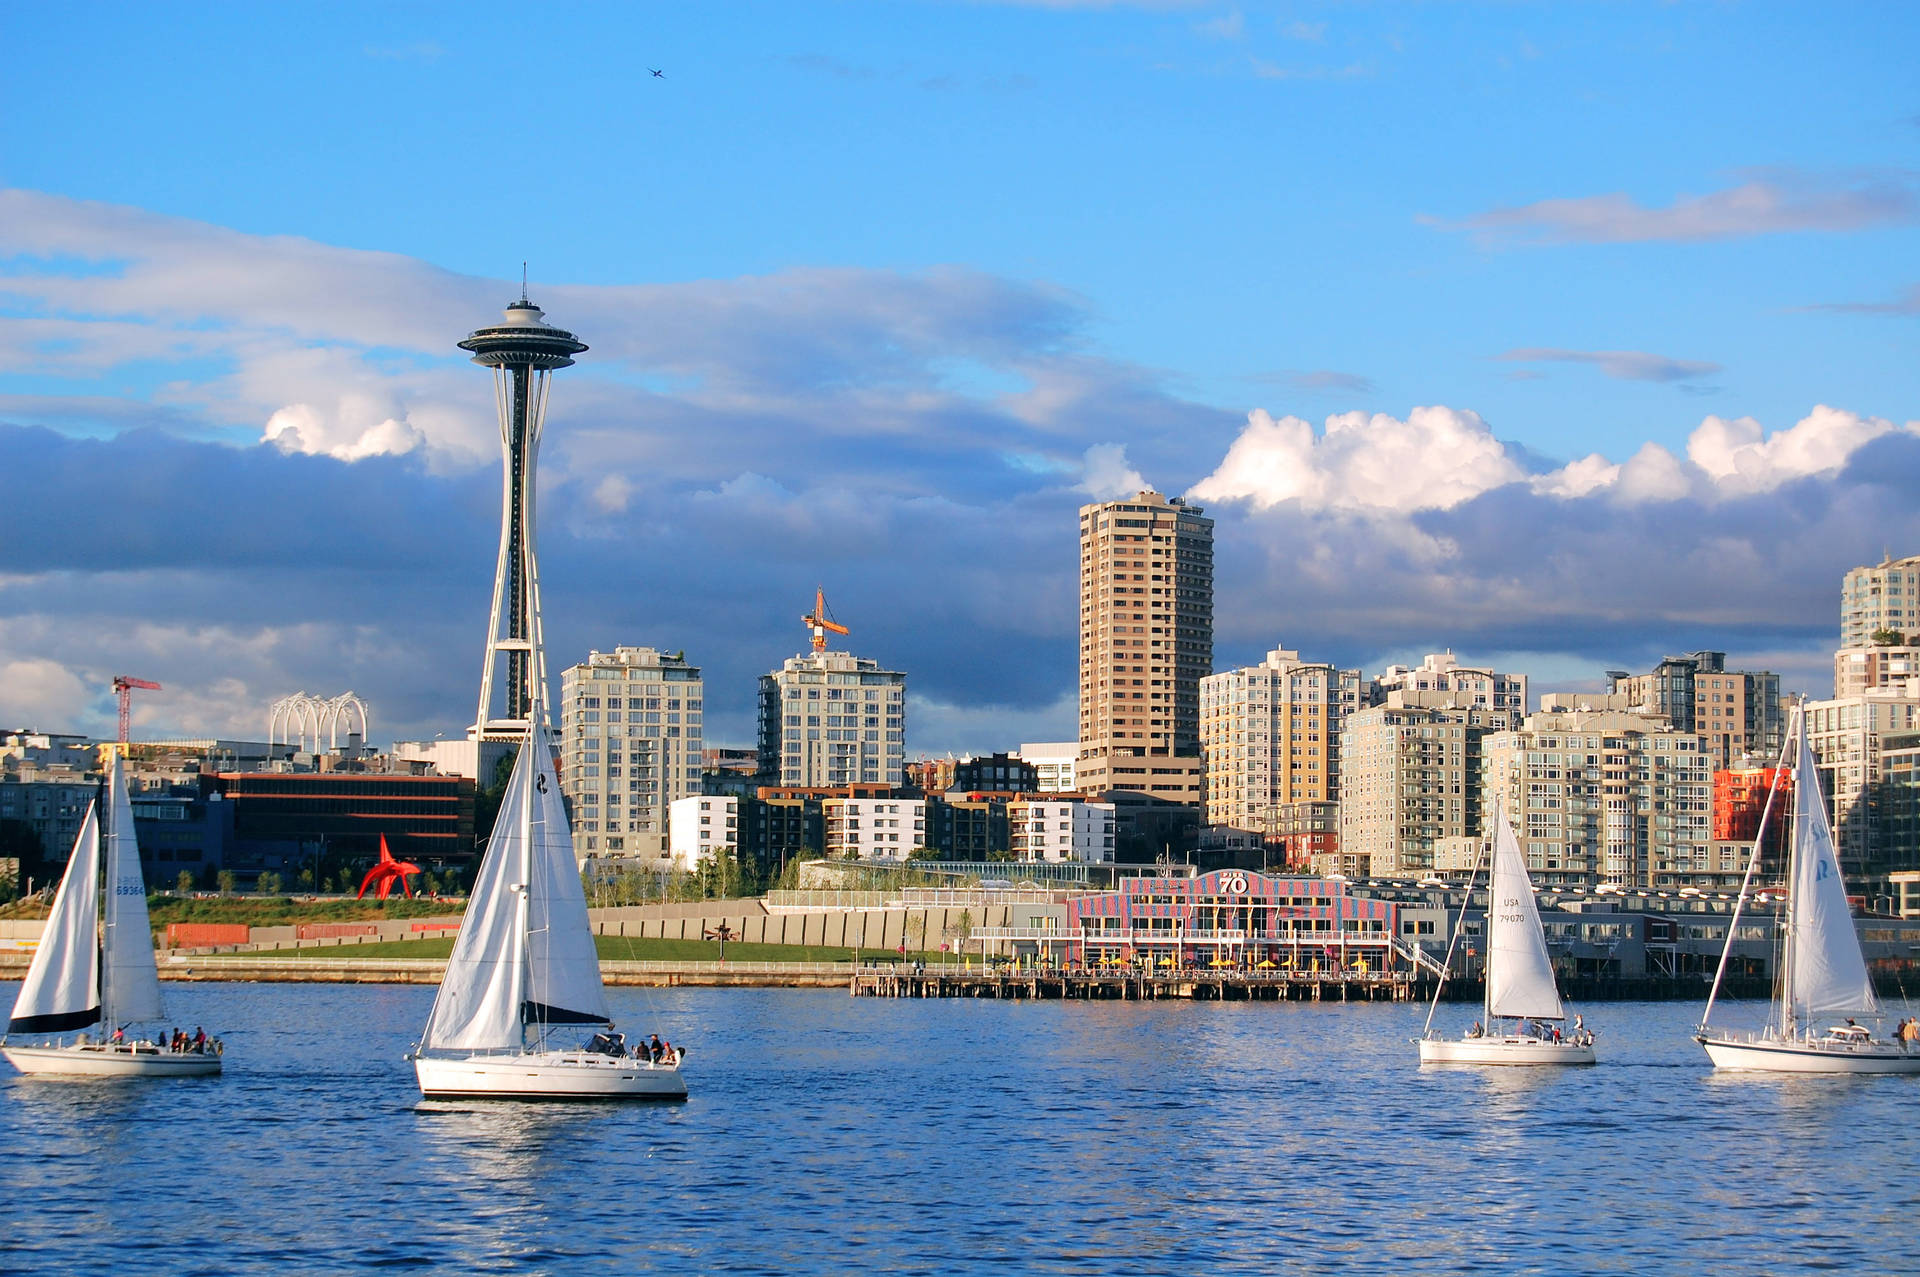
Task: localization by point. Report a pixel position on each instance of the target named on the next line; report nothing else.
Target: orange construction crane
(818, 621)
(123, 686)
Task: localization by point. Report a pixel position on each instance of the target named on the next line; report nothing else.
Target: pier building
(1226, 918)
(631, 745)
(1146, 641)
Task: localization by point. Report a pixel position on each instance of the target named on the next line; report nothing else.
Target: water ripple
(826, 1133)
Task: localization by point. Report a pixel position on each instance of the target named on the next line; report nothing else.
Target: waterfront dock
(1138, 986)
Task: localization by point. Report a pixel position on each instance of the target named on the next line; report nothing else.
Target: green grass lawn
(614, 948)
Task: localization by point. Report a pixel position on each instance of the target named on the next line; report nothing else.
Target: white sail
(511, 966)
(62, 989)
(563, 965)
(1519, 972)
(478, 1006)
(132, 980)
(1828, 974)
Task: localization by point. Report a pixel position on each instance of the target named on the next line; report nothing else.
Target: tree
(183, 881)
(1884, 637)
(227, 881)
(267, 884)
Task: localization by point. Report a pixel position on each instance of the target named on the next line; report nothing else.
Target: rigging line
(1746, 880)
(1459, 925)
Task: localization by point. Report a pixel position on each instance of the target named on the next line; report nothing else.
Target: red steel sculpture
(386, 871)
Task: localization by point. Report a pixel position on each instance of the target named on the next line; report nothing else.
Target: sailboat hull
(1502, 1050)
(549, 1075)
(97, 1059)
(1787, 1055)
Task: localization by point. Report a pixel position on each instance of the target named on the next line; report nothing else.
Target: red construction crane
(123, 686)
(817, 620)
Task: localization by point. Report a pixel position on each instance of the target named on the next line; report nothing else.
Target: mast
(523, 960)
(109, 915)
(1788, 1021)
(1459, 925)
(1746, 881)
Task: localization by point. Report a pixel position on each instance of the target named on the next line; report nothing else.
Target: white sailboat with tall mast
(1822, 972)
(85, 973)
(1522, 997)
(525, 969)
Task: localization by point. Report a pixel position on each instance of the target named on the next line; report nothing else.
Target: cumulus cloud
(1436, 458)
(41, 693)
(1775, 202)
(1622, 365)
(1105, 474)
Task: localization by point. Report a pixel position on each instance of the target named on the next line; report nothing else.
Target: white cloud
(1105, 474)
(304, 428)
(42, 693)
(1739, 456)
(1435, 459)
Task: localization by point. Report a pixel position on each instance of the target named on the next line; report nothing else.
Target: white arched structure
(301, 719)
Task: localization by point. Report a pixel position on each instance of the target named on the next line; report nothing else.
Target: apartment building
(1736, 712)
(831, 719)
(1607, 798)
(700, 827)
(1862, 669)
(1053, 765)
(874, 828)
(1468, 685)
(1883, 599)
(1850, 737)
(1409, 777)
(630, 746)
(1146, 641)
(1061, 829)
(1270, 737)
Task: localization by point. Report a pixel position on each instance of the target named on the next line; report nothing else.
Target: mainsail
(563, 964)
(62, 988)
(1826, 973)
(512, 966)
(1519, 972)
(132, 980)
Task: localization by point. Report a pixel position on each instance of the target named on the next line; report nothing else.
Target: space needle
(523, 352)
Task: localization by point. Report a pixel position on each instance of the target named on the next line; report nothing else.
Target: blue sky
(1625, 297)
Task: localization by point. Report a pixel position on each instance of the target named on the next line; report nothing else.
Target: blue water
(827, 1134)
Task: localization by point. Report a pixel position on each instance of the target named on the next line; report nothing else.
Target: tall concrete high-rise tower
(523, 353)
(1146, 641)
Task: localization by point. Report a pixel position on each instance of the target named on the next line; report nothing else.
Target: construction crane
(818, 620)
(123, 686)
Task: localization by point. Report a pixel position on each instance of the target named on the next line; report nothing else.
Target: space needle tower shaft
(523, 352)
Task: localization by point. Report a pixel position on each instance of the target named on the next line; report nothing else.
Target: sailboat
(1823, 974)
(1521, 995)
(84, 973)
(525, 969)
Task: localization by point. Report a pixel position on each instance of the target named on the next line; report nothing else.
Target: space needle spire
(523, 352)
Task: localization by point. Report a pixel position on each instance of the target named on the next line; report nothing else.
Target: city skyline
(1393, 327)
